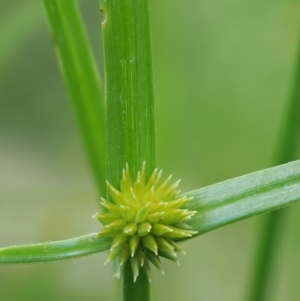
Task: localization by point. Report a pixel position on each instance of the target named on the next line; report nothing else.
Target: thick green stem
(270, 239)
(139, 290)
(129, 103)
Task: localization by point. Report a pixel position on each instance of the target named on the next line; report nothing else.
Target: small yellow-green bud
(144, 218)
(150, 243)
(128, 214)
(125, 254)
(177, 248)
(142, 215)
(134, 261)
(142, 256)
(118, 241)
(118, 224)
(144, 229)
(168, 255)
(160, 229)
(114, 253)
(134, 242)
(130, 229)
(154, 218)
(156, 261)
(164, 245)
(105, 218)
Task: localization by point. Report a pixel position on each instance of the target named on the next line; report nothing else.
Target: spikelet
(143, 219)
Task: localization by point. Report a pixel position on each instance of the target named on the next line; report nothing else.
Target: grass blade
(56, 250)
(270, 238)
(243, 197)
(81, 79)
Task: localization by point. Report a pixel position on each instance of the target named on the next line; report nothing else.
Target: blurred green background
(223, 71)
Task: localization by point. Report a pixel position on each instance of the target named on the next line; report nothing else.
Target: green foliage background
(222, 72)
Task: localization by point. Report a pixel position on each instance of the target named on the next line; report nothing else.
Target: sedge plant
(144, 217)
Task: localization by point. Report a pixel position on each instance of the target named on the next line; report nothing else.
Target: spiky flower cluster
(144, 218)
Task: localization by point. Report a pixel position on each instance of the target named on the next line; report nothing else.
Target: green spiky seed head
(144, 218)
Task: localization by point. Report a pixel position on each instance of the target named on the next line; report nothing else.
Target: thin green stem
(81, 79)
(270, 238)
(129, 100)
(266, 256)
(55, 250)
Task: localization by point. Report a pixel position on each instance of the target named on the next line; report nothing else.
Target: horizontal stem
(56, 250)
(245, 196)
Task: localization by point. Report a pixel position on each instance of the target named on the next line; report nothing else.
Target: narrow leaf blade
(81, 78)
(56, 250)
(243, 197)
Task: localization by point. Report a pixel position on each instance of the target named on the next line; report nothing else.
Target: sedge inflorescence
(144, 218)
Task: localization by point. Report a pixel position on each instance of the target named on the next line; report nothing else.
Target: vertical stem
(81, 78)
(138, 291)
(266, 256)
(270, 239)
(129, 103)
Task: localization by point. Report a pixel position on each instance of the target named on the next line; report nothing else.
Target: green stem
(55, 250)
(270, 238)
(140, 290)
(81, 78)
(129, 103)
(266, 256)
